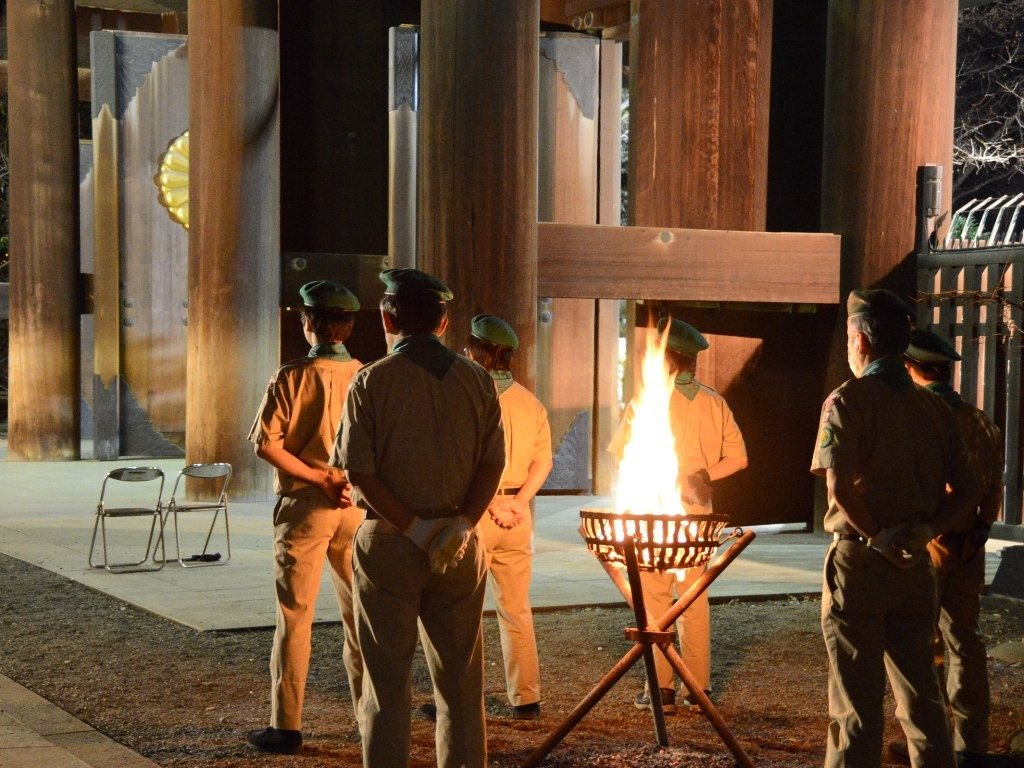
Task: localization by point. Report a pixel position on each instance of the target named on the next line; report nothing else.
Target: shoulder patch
(826, 408)
(826, 437)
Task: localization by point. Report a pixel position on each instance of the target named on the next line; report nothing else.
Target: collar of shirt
(687, 385)
(890, 370)
(331, 352)
(426, 351)
(502, 380)
(944, 390)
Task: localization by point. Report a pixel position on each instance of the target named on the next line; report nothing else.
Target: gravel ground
(186, 698)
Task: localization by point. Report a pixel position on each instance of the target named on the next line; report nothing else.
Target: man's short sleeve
(272, 417)
(836, 437)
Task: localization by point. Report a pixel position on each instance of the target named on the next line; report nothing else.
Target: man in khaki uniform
(887, 449)
(959, 555)
(709, 447)
(314, 517)
(507, 528)
(422, 444)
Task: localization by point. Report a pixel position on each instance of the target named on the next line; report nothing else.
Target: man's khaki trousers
(308, 530)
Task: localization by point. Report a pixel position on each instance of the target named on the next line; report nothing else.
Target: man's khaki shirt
(527, 433)
(704, 430)
(301, 410)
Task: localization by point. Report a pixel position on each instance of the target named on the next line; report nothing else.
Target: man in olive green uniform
(959, 555)
(314, 517)
(507, 528)
(887, 449)
(709, 447)
(422, 444)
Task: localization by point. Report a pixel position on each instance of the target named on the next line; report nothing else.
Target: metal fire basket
(661, 542)
(631, 543)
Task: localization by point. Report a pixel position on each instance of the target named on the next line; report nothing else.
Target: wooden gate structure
(746, 208)
(971, 291)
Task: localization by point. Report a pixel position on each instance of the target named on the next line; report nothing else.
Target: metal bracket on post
(929, 204)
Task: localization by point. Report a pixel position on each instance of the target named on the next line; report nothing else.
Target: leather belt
(507, 491)
(849, 537)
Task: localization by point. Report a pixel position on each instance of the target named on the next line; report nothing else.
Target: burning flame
(649, 467)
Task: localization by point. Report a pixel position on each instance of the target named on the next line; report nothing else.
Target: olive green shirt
(899, 441)
(422, 419)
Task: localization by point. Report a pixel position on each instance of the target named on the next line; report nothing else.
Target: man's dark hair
(937, 371)
(887, 334)
(414, 311)
(330, 324)
(493, 357)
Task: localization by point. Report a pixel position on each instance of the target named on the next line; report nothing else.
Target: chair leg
(92, 544)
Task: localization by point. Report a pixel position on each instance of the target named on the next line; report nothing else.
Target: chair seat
(128, 512)
(196, 507)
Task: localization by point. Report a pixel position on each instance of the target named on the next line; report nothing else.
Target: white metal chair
(104, 513)
(219, 474)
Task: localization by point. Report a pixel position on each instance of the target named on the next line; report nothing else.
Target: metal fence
(971, 290)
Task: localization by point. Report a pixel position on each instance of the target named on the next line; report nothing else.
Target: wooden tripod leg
(640, 614)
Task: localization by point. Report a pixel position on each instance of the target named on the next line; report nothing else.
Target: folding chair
(104, 513)
(217, 503)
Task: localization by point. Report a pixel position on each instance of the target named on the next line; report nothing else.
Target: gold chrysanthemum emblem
(172, 180)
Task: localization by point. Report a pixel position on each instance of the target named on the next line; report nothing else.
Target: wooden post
(890, 78)
(106, 400)
(44, 405)
(609, 211)
(234, 240)
(568, 137)
(478, 167)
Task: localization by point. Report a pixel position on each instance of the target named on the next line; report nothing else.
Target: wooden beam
(84, 81)
(595, 261)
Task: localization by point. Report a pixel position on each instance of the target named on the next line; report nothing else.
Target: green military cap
(324, 293)
(413, 279)
(683, 337)
(495, 330)
(928, 347)
(877, 302)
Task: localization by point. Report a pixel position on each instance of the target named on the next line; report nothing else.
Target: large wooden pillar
(478, 166)
(889, 100)
(234, 241)
(44, 407)
(699, 103)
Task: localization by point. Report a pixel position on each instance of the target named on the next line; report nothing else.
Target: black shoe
(429, 711)
(276, 740)
(668, 701)
(526, 711)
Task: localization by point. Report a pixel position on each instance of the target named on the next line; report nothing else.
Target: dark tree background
(988, 153)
